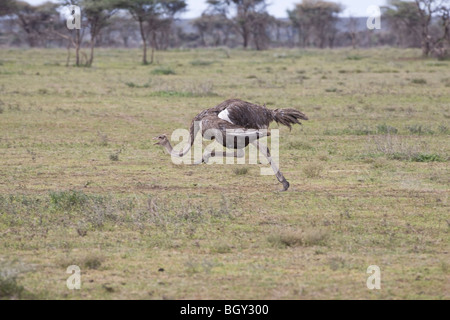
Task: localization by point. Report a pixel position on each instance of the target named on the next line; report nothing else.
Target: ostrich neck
(168, 147)
(178, 154)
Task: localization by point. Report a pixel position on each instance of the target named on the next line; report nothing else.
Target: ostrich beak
(156, 144)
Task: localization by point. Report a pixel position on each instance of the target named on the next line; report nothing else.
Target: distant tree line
(155, 24)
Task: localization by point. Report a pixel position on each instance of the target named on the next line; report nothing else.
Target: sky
(278, 8)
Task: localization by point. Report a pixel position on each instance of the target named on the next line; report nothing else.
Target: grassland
(82, 184)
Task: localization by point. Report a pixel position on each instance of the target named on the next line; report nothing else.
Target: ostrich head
(162, 140)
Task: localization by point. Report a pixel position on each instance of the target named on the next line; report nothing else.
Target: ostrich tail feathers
(288, 117)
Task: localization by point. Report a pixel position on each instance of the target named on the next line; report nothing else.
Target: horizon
(355, 8)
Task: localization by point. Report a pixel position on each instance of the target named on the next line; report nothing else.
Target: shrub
(240, 171)
(397, 148)
(419, 129)
(386, 129)
(133, 85)
(424, 157)
(114, 157)
(295, 238)
(220, 247)
(92, 261)
(163, 71)
(10, 289)
(313, 170)
(442, 129)
(201, 63)
(68, 200)
(9, 286)
(419, 81)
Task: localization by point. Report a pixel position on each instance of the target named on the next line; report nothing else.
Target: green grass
(81, 182)
(163, 71)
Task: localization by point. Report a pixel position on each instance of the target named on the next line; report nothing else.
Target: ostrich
(238, 119)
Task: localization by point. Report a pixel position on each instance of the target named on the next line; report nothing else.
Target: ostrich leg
(207, 155)
(264, 150)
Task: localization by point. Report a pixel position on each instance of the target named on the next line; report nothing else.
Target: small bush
(296, 238)
(220, 248)
(92, 261)
(68, 200)
(442, 129)
(313, 170)
(397, 148)
(355, 57)
(10, 289)
(114, 157)
(386, 129)
(133, 85)
(201, 63)
(424, 157)
(82, 229)
(240, 171)
(9, 286)
(103, 139)
(386, 71)
(323, 157)
(419, 81)
(419, 129)
(163, 71)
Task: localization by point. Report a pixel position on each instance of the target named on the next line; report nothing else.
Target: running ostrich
(241, 123)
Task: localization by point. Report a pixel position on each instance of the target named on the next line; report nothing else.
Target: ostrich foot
(199, 162)
(285, 186)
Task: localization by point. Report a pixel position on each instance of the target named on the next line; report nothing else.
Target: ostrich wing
(244, 114)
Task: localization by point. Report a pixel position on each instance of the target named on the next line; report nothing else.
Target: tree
(8, 7)
(442, 44)
(421, 23)
(251, 18)
(35, 21)
(404, 18)
(427, 9)
(316, 18)
(259, 24)
(352, 26)
(125, 26)
(160, 27)
(97, 13)
(75, 37)
(213, 28)
(148, 13)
